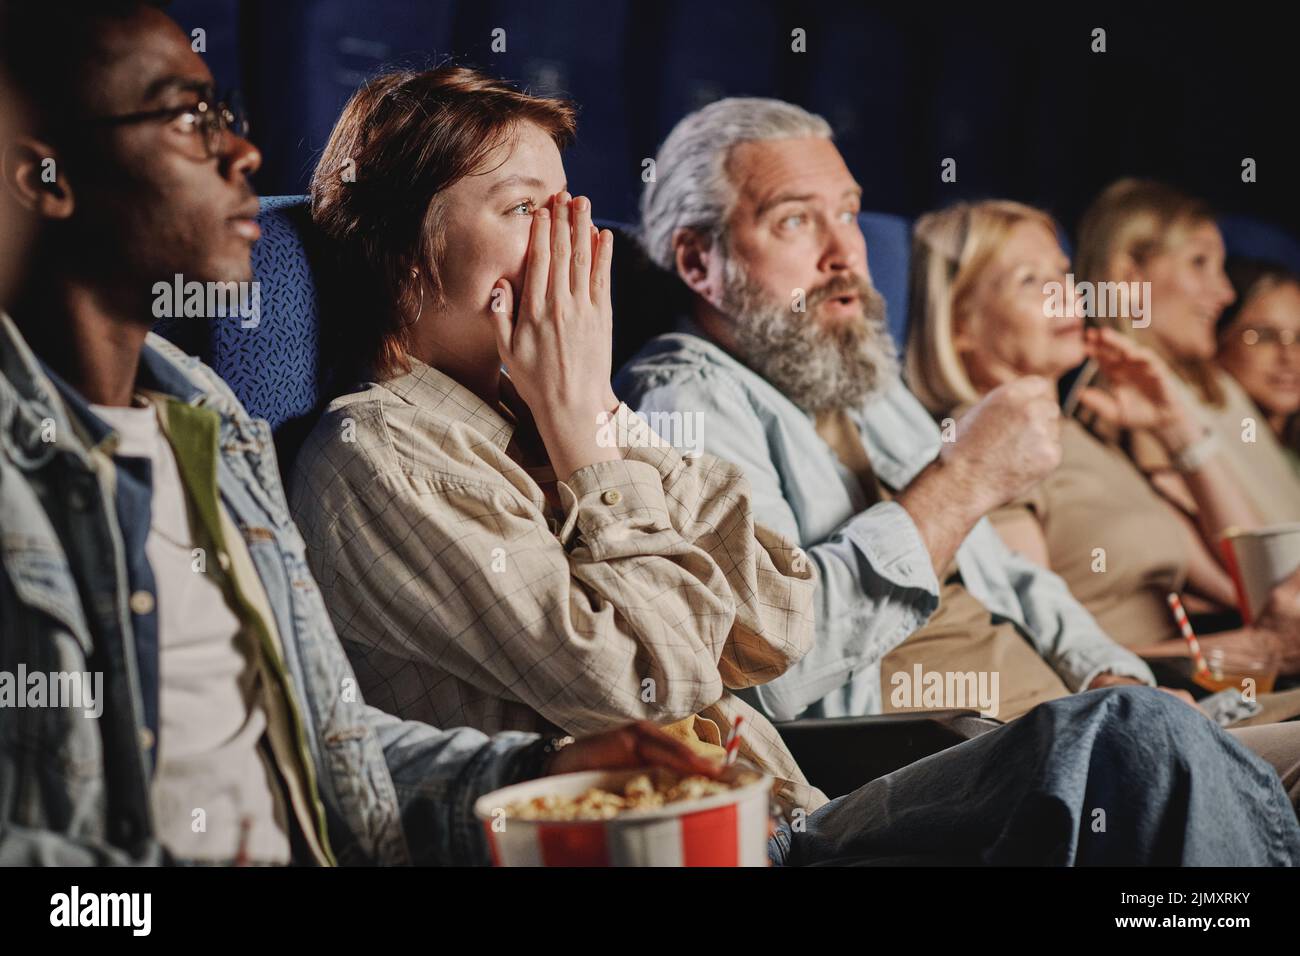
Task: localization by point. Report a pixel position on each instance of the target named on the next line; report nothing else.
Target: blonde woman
(1166, 250)
(983, 278)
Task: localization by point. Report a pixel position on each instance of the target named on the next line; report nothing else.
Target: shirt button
(146, 738)
(142, 602)
(612, 497)
(223, 559)
(77, 499)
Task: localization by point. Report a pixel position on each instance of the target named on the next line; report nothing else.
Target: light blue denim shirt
(74, 788)
(877, 583)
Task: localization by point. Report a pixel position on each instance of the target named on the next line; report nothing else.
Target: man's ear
(34, 176)
(692, 253)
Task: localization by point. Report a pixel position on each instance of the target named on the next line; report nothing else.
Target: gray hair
(692, 189)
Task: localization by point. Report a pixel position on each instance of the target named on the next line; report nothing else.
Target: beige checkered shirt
(465, 598)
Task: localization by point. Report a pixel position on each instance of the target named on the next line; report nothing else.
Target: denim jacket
(876, 583)
(74, 787)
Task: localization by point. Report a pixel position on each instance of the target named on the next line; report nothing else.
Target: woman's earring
(416, 274)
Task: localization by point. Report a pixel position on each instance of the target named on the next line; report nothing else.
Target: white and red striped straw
(733, 742)
(245, 827)
(1185, 626)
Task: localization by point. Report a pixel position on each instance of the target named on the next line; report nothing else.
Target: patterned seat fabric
(274, 366)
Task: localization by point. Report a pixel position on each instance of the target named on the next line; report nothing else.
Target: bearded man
(786, 358)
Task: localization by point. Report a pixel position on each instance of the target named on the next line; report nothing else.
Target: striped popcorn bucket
(726, 829)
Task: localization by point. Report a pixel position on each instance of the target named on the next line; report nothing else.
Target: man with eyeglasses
(147, 559)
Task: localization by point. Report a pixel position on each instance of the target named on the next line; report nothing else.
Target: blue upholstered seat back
(275, 369)
(274, 365)
(889, 253)
(1253, 239)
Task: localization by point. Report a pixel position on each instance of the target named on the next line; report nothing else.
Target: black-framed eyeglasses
(205, 122)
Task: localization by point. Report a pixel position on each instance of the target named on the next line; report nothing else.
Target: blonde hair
(950, 249)
(1139, 219)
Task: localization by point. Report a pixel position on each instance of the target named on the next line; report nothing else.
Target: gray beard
(819, 368)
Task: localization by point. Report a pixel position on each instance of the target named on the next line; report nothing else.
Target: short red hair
(401, 140)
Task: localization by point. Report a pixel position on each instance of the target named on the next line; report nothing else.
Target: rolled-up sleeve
(615, 508)
(710, 503)
(875, 581)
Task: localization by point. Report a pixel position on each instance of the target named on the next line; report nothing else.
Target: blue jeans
(1121, 776)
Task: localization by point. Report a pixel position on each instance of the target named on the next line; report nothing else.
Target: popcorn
(641, 792)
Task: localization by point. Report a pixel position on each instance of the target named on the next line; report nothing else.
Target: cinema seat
(1256, 239)
(889, 253)
(840, 754)
(274, 368)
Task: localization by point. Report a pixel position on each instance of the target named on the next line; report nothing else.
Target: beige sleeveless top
(1114, 540)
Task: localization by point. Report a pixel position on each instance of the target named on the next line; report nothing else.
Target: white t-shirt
(211, 779)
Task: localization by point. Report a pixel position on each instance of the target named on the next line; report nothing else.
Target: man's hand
(1008, 442)
(1113, 680)
(637, 745)
(1004, 445)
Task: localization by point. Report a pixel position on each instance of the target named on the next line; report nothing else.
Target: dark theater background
(1014, 94)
